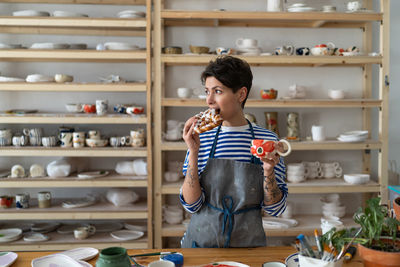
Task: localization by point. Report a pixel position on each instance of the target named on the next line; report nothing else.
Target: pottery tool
(350, 252)
(345, 248)
(306, 246)
(153, 254)
(318, 241)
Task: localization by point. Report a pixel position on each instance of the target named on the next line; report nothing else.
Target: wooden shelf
(75, 118)
(282, 103)
(74, 26)
(315, 186)
(301, 145)
(112, 180)
(53, 55)
(67, 241)
(102, 210)
(40, 151)
(267, 19)
(306, 226)
(80, 2)
(74, 87)
(305, 61)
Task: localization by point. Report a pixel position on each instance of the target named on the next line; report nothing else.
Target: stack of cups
(313, 169)
(5, 137)
(331, 207)
(296, 172)
(331, 170)
(173, 214)
(137, 138)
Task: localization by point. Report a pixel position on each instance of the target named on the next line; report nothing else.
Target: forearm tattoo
(272, 193)
(190, 175)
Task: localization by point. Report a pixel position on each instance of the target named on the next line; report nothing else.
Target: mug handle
(91, 230)
(291, 49)
(25, 131)
(283, 154)
(128, 140)
(239, 42)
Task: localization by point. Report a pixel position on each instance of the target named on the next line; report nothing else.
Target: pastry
(207, 120)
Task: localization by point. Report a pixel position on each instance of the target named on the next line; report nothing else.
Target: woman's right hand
(192, 139)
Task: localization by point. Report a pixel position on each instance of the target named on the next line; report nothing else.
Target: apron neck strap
(212, 152)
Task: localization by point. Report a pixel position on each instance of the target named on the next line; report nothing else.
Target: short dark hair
(232, 72)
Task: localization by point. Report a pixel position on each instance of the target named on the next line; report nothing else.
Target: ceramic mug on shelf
(354, 5)
(78, 139)
(116, 141)
(84, 232)
(5, 141)
(35, 136)
(93, 134)
(184, 92)
(318, 133)
(139, 133)
(44, 199)
(22, 201)
(303, 51)
(274, 5)
(66, 139)
(246, 43)
(101, 107)
(49, 141)
(20, 140)
(6, 201)
(286, 50)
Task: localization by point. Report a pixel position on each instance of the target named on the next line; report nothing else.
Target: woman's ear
(242, 94)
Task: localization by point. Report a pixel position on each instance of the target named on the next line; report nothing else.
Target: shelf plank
(40, 151)
(282, 103)
(112, 180)
(315, 186)
(74, 87)
(76, 118)
(97, 211)
(301, 145)
(306, 226)
(52, 55)
(309, 61)
(63, 242)
(71, 31)
(80, 2)
(267, 19)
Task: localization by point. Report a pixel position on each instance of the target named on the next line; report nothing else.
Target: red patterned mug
(260, 148)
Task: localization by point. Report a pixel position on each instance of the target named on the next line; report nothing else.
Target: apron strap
(214, 146)
(228, 216)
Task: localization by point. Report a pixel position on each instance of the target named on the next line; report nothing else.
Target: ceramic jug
(113, 257)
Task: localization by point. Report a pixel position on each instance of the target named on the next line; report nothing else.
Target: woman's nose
(210, 98)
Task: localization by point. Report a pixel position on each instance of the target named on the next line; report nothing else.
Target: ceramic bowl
(172, 50)
(199, 49)
(134, 110)
(356, 178)
(336, 213)
(171, 176)
(74, 108)
(268, 93)
(96, 142)
(63, 78)
(336, 94)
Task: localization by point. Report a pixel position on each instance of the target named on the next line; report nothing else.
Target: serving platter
(81, 254)
(7, 258)
(56, 260)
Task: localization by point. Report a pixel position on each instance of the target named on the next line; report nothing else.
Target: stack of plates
(68, 14)
(35, 237)
(49, 46)
(300, 7)
(353, 136)
(10, 234)
(79, 203)
(5, 79)
(44, 227)
(56, 260)
(249, 51)
(120, 46)
(39, 78)
(10, 46)
(31, 13)
(131, 14)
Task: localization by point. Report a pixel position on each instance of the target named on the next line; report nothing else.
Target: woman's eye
(207, 92)
(218, 91)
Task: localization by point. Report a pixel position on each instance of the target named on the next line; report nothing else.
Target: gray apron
(230, 216)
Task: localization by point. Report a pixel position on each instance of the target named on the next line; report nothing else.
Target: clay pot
(396, 206)
(376, 258)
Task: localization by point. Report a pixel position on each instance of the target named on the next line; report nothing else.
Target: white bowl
(356, 178)
(336, 213)
(96, 142)
(337, 208)
(120, 46)
(336, 94)
(331, 198)
(74, 108)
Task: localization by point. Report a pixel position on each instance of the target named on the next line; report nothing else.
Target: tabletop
(253, 257)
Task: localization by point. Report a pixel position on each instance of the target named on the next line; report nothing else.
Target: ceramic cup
(184, 92)
(336, 94)
(246, 43)
(303, 51)
(274, 5)
(44, 199)
(287, 50)
(6, 201)
(66, 139)
(89, 108)
(354, 5)
(173, 124)
(22, 201)
(171, 176)
(5, 141)
(101, 107)
(137, 142)
(118, 141)
(78, 139)
(93, 134)
(139, 133)
(84, 232)
(19, 140)
(113, 257)
(318, 133)
(49, 141)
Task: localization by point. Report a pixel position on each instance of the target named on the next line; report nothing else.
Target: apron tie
(228, 216)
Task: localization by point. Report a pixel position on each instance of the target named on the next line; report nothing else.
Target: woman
(225, 186)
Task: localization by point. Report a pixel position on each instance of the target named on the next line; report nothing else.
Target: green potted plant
(378, 244)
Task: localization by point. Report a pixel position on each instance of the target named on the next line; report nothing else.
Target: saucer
(35, 237)
(49, 46)
(131, 14)
(10, 46)
(10, 79)
(38, 78)
(59, 13)
(126, 235)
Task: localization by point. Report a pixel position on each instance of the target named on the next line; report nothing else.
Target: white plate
(81, 254)
(7, 258)
(55, 260)
(120, 46)
(126, 235)
(68, 14)
(35, 78)
(10, 46)
(351, 139)
(35, 237)
(49, 46)
(292, 260)
(138, 226)
(79, 203)
(93, 174)
(107, 227)
(31, 13)
(230, 263)
(354, 133)
(131, 12)
(10, 233)
(85, 264)
(301, 9)
(11, 79)
(130, 16)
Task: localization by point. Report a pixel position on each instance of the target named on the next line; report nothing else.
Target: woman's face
(223, 99)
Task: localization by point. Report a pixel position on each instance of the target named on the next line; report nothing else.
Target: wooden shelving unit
(165, 18)
(141, 28)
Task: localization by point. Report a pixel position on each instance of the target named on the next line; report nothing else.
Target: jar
(113, 257)
(271, 121)
(293, 126)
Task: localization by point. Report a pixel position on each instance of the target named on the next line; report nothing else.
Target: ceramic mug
(260, 147)
(19, 140)
(49, 141)
(101, 107)
(134, 110)
(113, 257)
(268, 93)
(246, 43)
(287, 50)
(174, 124)
(118, 141)
(137, 142)
(303, 51)
(139, 133)
(84, 232)
(93, 134)
(318, 133)
(5, 141)
(184, 92)
(354, 6)
(66, 139)
(6, 201)
(35, 136)
(78, 139)
(22, 201)
(44, 199)
(274, 5)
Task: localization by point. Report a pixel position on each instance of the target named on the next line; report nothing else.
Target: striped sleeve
(279, 207)
(192, 208)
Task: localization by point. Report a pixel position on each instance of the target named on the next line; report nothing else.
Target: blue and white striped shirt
(234, 143)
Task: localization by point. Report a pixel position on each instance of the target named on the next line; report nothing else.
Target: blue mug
(303, 51)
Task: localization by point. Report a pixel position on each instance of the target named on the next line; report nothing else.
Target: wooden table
(253, 257)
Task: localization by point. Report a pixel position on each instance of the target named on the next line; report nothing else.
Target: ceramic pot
(113, 257)
(377, 258)
(271, 121)
(268, 93)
